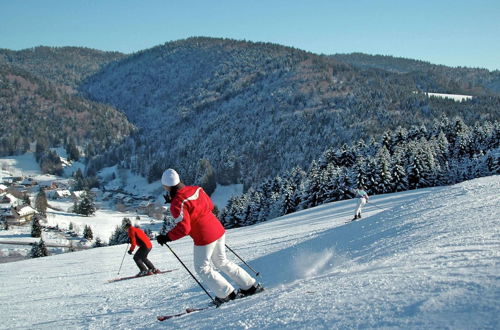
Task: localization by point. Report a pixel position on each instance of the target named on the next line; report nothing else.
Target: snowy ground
(416, 260)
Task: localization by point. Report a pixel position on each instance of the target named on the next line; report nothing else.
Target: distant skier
(192, 208)
(139, 238)
(362, 200)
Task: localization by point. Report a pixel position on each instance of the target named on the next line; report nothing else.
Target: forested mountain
(35, 110)
(461, 80)
(248, 111)
(64, 66)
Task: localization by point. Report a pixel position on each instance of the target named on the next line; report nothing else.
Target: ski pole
(253, 270)
(208, 294)
(123, 259)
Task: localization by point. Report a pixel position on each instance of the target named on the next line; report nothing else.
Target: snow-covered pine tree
(329, 184)
(36, 228)
(312, 187)
(39, 250)
(43, 248)
(254, 202)
(385, 183)
(346, 156)
(35, 251)
(398, 170)
(98, 242)
(399, 138)
(86, 206)
(493, 161)
(120, 235)
(87, 233)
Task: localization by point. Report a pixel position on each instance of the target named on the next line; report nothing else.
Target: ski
(191, 310)
(186, 311)
(135, 276)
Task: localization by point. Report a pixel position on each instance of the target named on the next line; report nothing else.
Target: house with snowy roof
(18, 215)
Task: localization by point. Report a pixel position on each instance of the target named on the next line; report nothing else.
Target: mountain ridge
(255, 109)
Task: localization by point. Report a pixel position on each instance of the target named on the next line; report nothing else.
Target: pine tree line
(447, 153)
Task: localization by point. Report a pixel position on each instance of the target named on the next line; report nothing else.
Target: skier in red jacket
(192, 209)
(139, 238)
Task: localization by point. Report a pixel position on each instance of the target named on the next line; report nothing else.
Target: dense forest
(40, 107)
(461, 80)
(63, 66)
(448, 152)
(36, 111)
(248, 111)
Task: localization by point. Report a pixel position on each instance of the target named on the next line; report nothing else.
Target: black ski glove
(129, 252)
(162, 239)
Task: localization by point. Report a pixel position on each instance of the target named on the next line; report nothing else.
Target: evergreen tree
(86, 206)
(372, 173)
(36, 228)
(87, 233)
(35, 251)
(385, 183)
(43, 248)
(41, 202)
(120, 235)
(399, 177)
(98, 242)
(361, 172)
(254, 203)
(39, 250)
(312, 187)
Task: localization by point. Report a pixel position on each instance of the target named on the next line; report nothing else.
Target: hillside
(417, 260)
(64, 66)
(474, 81)
(36, 110)
(254, 110)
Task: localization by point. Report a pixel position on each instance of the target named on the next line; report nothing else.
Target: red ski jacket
(138, 237)
(192, 208)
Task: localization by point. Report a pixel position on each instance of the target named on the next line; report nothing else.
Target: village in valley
(63, 229)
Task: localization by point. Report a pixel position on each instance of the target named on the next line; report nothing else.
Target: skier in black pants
(139, 238)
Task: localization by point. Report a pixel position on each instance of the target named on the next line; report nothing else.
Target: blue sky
(454, 33)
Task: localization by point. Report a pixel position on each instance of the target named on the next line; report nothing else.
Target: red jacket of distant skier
(192, 208)
(138, 238)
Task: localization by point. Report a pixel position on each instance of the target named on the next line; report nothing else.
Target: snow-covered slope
(420, 259)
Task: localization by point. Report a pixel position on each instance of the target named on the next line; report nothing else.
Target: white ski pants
(361, 203)
(215, 252)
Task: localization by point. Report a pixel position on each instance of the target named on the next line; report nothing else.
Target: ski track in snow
(430, 259)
